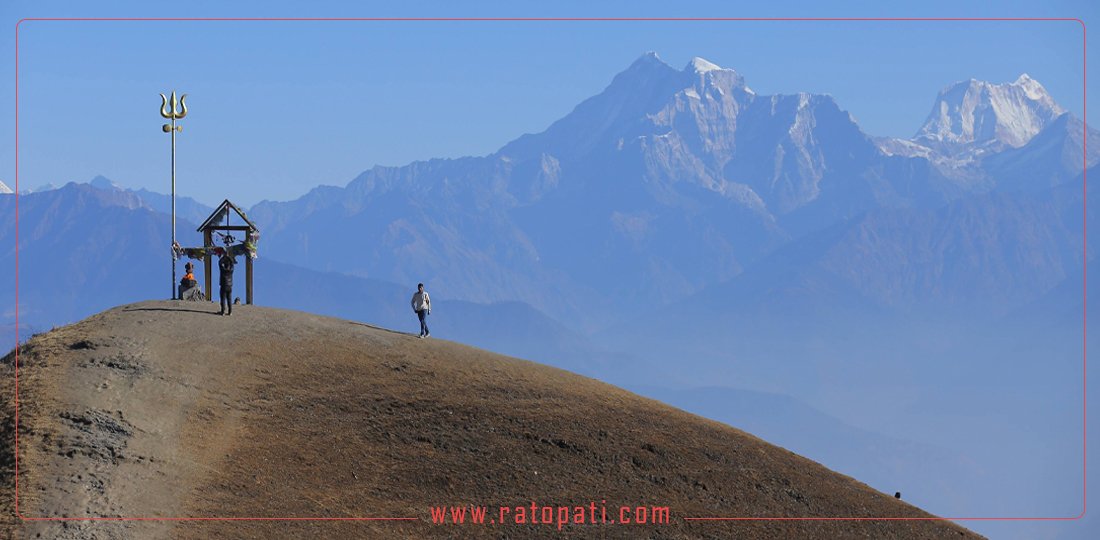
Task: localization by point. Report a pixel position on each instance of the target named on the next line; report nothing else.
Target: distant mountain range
(671, 181)
(187, 209)
(665, 183)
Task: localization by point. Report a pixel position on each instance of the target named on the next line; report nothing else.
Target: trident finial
(173, 113)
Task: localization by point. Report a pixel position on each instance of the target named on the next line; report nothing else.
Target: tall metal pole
(173, 207)
(172, 128)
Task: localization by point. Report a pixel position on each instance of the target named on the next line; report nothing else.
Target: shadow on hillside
(172, 310)
(398, 332)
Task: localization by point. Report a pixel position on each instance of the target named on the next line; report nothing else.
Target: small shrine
(220, 223)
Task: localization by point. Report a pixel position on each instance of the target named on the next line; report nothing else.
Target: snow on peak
(4, 189)
(978, 113)
(700, 65)
(705, 73)
(1031, 87)
(647, 65)
(649, 57)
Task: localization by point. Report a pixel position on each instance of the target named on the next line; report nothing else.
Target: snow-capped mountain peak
(705, 73)
(974, 113)
(4, 189)
(1032, 88)
(646, 70)
(701, 65)
(647, 60)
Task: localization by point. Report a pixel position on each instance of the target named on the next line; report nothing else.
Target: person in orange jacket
(190, 275)
(188, 280)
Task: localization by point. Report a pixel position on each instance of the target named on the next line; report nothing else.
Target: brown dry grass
(163, 409)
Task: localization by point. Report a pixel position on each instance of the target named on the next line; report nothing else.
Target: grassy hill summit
(164, 409)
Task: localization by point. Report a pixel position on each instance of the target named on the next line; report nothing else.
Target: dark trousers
(227, 298)
(422, 315)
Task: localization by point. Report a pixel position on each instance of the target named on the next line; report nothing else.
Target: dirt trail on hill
(164, 409)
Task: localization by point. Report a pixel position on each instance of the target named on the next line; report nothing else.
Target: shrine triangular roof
(219, 215)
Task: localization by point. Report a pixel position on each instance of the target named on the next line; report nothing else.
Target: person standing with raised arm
(225, 265)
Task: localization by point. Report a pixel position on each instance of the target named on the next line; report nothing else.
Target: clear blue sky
(280, 107)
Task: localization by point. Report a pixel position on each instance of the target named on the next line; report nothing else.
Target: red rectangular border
(1084, 248)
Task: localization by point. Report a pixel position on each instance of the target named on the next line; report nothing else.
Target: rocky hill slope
(164, 409)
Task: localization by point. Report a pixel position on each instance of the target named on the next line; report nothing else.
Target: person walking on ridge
(422, 305)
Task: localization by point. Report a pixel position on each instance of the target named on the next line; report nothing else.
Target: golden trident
(172, 128)
(173, 113)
